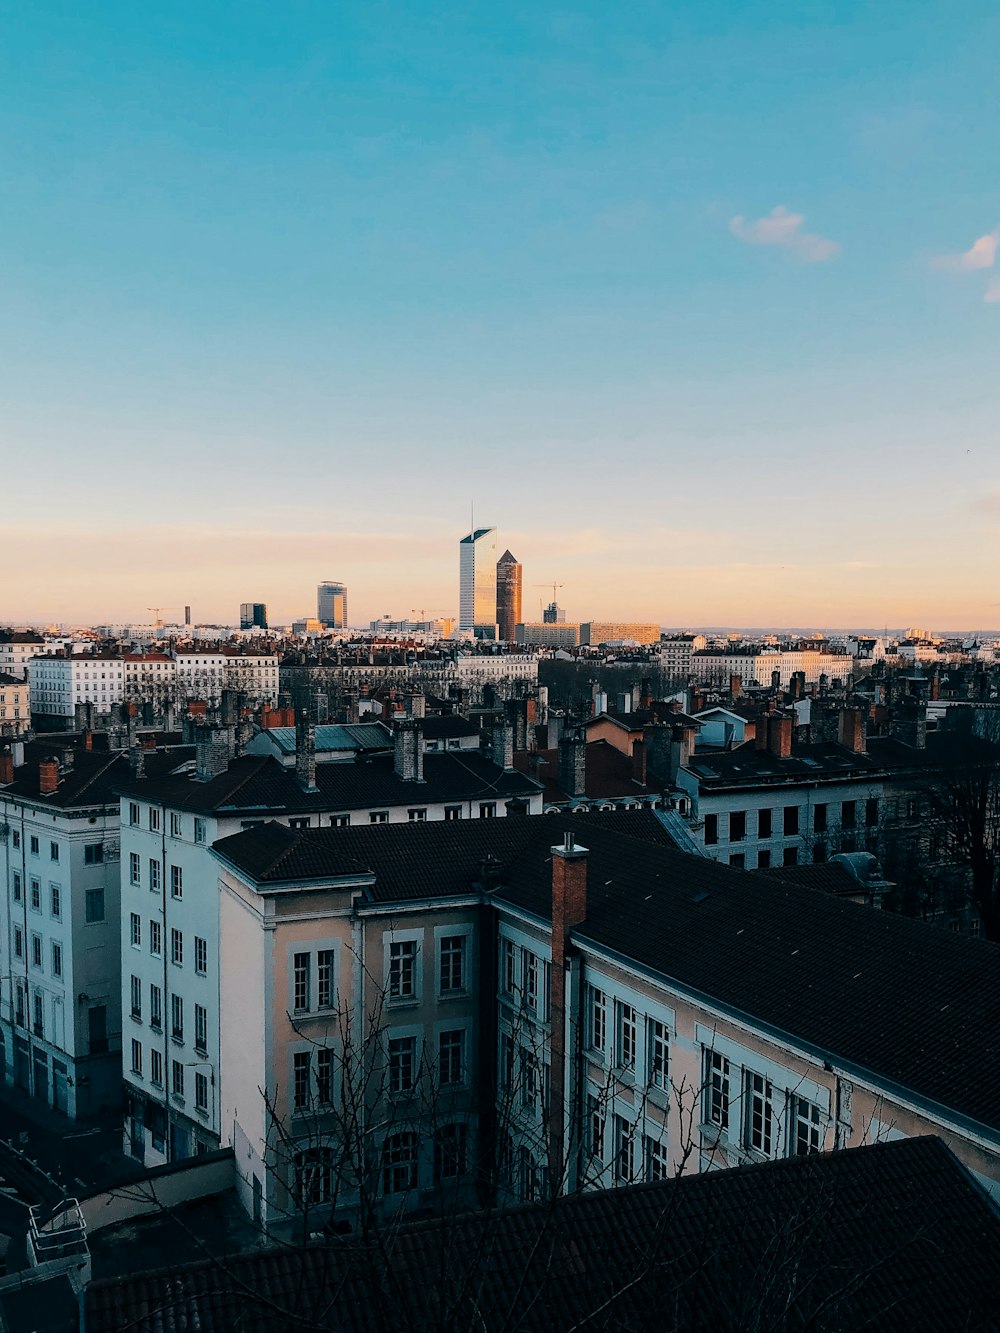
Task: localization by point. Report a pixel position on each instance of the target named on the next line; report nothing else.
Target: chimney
(416, 705)
(305, 751)
(137, 761)
(657, 743)
(409, 750)
(6, 769)
(88, 739)
(503, 745)
(646, 693)
(735, 687)
(517, 805)
(517, 716)
(48, 776)
(851, 731)
(148, 741)
(639, 762)
(779, 736)
(212, 753)
(569, 909)
(573, 762)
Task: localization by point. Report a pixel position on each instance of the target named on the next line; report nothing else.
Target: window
(56, 959)
(200, 955)
(300, 982)
(402, 1063)
(155, 1067)
(416, 816)
(177, 1078)
(16, 887)
(530, 965)
(53, 851)
(452, 964)
(176, 882)
(16, 838)
(717, 1090)
(657, 1159)
(529, 1079)
(624, 1151)
(177, 1017)
(848, 814)
(451, 1058)
(199, 830)
(790, 856)
(378, 817)
(598, 1020)
(340, 821)
(324, 1076)
(33, 844)
(154, 876)
(453, 812)
(314, 1176)
(36, 950)
(509, 966)
(36, 894)
(791, 820)
(819, 818)
(506, 1061)
(154, 819)
(763, 823)
(38, 1007)
(175, 824)
(819, 852)
(531, 1176)
(302, 822)
(658, 1043)
(200, 1092)
(757, 1126)
(19, 1019)
(711, 830)
(135, 926)
(155, 938)
(399, 1163)
(449, 1152)
(807, 1132)
(324, 979)
(488, 810)
(18, 942)
(596, 1121)
(133, 812)
(402, 969)
(764, 859)
(176, 947)
(135, 988)
(737, 825)
(137, 1057)
(738, 861)
(624, 1035)
(200, 1028)
(134, 868)
(93, 854)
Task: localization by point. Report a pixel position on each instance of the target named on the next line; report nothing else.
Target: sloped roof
(893, 1236)
(359, 736)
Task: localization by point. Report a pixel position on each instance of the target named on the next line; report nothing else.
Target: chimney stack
(6, 769)
(779, 736)
(416, 706)
(573, 762)
(639, 762)
(305, 750)
(48, 776)
(503, 745)
(409, 750)
(569, 909)
(212, 752)
(137, 761)
(851, 730)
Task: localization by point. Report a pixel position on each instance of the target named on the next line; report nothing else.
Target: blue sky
(284, 288)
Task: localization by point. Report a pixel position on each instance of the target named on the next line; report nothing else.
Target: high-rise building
(553, 615)
(253, 615)
(331, 604)
(508, 596)
(477, 589)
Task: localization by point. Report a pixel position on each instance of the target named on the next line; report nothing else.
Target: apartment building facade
(58, 683)
(15, 705)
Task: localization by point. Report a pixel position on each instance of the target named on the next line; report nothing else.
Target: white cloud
(783, 228)
(982, 253)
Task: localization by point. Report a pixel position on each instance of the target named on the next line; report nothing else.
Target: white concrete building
(58, 684)
(753, 666)
(15, 705)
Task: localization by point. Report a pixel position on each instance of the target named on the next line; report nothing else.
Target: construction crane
(421, 611)
(553, 585)
(158, 623)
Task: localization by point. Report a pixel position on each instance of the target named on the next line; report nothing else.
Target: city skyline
(720, 292)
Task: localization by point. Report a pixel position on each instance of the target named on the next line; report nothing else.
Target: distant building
(253, 615)
(58, 684)
(553, 614)
(548, 634)
(17, 647)
(331, 604)
(613, 631)
(477, 592)
(306, 625)
(508, 596)
(15, 710)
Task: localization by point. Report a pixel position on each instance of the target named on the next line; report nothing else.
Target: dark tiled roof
(608, 773)
(256, 784)
(829, 876)
(448, 727)
(889, 1237)
(94, 778)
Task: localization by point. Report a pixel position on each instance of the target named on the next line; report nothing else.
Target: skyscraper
(253, 615)
(508, 596)
(477, 586)
(331, 604)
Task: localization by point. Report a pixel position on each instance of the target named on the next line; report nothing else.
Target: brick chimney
(305, 751)
(48, 776)
(503, 745)
(639, 762)
(416, 705)
(779, 736)
(212, 752)
(573, 762)
(851, 730)
(569, 908)
(409, 750)
(6, 769)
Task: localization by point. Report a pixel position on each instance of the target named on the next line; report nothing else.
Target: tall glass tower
(331, 605)
(477, 583)
(508, 596)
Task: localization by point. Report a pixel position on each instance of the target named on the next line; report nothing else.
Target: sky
(698, 303)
